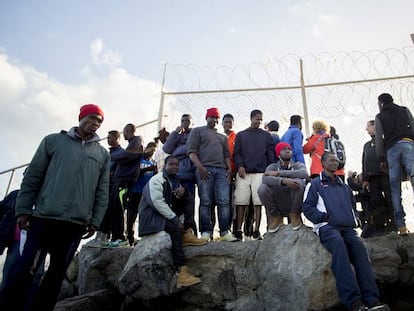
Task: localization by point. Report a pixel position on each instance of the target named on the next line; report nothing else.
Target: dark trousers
(175, 233)
(182, 206)
(132, 212)
(347, 250)
(116, 212)
(380, 203)
(60, 239)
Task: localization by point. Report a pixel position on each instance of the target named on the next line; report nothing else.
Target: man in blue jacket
(63, 197)
(329, 204)
(294, 137)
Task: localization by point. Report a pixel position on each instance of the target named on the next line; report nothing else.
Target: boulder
(288, 270)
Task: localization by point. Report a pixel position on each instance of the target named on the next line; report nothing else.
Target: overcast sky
(58, 55)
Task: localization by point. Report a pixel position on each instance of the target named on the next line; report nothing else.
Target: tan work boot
(295, 220)
(185, 278)
(189, 239)
(403, 230)
(275, 223)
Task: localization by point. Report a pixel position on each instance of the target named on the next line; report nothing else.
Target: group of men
(67, 186)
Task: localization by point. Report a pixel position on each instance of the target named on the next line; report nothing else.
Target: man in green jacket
(63, 197)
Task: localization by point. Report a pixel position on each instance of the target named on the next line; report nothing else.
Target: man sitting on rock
(282, 189)
(162, 203)
(329, 204)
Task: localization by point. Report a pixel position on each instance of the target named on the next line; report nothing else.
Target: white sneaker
(206, 236)
(228, 237)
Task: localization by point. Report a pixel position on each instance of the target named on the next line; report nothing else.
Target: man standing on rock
(63, 196)
(329, 204)
(163, 201)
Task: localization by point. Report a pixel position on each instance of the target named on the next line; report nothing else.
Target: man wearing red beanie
(63, 197)
(90, 109)
(209, 151)
(282, 188)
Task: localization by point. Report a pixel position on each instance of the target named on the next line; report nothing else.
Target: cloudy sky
(57, 55)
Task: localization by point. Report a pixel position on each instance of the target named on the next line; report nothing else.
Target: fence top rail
(14, 168)
(285, 87)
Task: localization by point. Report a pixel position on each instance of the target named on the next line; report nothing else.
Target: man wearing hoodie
(63, 197)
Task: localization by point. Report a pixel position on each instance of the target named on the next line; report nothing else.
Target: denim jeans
(216, 187)
(347, 250)
(400, 158)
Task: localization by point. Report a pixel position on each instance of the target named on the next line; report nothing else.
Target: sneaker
(378, 305)
(228, 237)
(275, 224)
(206, 236)
(256, 235)
(358, 306)
(117, 243)
(239, 235)
(189, 239)
(403, 230)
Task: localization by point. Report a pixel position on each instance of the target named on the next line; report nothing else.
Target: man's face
(212, 122)
(331, 163)
(128, 133)
(227, 124)
(186, 122)
(286, 154)
(256, 121)
(90, 123)
(172, 166)
(370, 129)
(113, 140)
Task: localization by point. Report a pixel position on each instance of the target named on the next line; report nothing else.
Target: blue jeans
(216, 187)
(400, 158)
(347, 249)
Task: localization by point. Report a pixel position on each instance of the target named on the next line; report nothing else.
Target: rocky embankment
(288, 270)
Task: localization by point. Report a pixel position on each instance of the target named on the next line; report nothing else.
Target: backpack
(336, 147)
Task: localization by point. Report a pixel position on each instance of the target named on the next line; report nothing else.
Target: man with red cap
(63, 197)
(282, 189)
(209, 151)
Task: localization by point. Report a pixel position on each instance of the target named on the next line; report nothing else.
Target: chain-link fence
(340, 88)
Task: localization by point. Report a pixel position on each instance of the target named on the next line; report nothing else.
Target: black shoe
(239, 235)
(256, 235)
(358, 306)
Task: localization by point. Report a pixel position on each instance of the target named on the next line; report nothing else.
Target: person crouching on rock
(163, 201)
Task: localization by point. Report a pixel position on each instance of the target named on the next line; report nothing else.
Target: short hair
(273, 126)
(295, 119)
(168, 158)
(254, 113)
(185, 115)
(131, 126)
(228, 115)
(151, 144)
(325, 155)
(372, 122)
(114, 133)
(385, 98)
(320, 125)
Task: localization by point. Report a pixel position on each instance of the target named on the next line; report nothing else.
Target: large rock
(288, 270)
